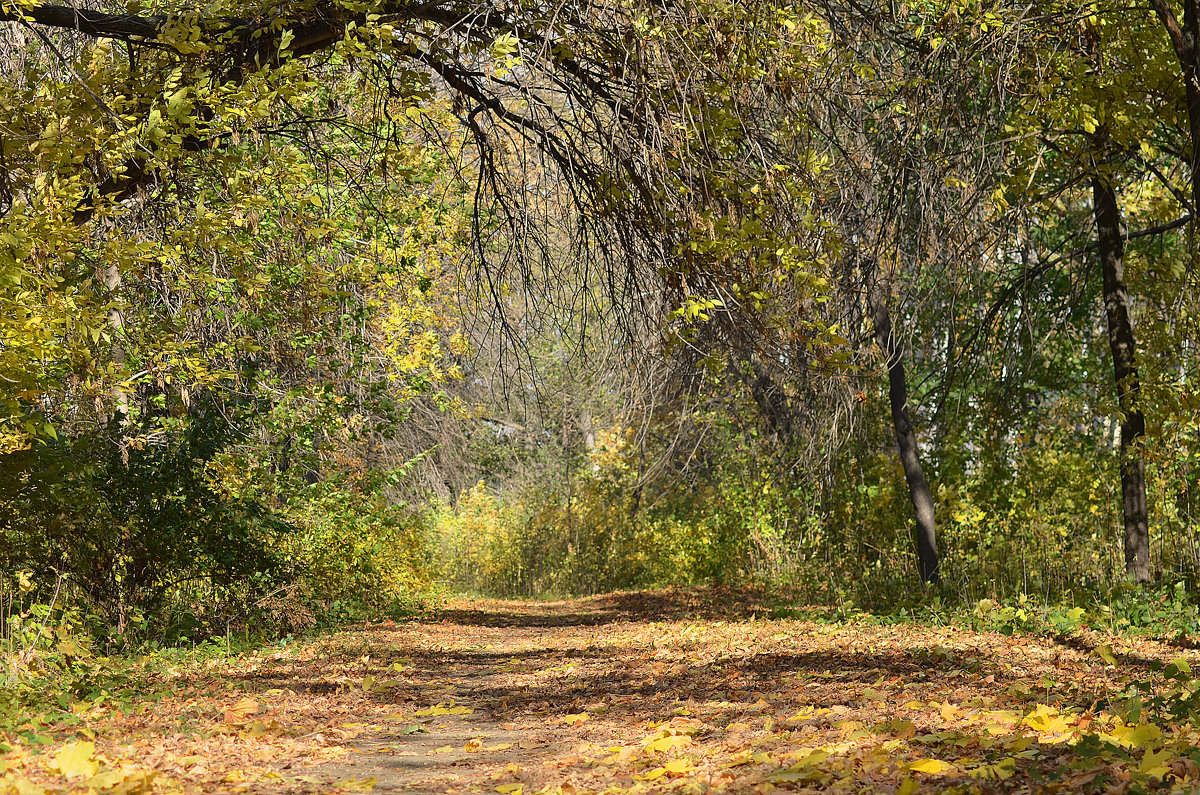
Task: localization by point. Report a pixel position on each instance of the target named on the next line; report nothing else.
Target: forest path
(688, 691)
(699, 691)
(543, 682)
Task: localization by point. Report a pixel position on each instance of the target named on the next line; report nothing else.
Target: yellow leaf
(356, 784)
(1135, 736)
(651, 775)
(1001, 771)
(576, 719)
(498, 747)
(874, 695)
(934, 766)
(241, 710)
(1017, 742)
(1048, 720)
(74, 760)
(679, 766)
(811, 758)
(909, 787)
(23, 786)
(104, 780)
(1105, 652)
(510, 789)
(473, 745)
(137, 783)
(443, 709)
(1154, 763)
(667, 743)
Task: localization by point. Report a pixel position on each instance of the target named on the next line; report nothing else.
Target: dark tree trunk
(906, 438)
(1124, 355)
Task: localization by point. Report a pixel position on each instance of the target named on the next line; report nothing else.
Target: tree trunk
(906, 438)
(1124, 354)
(116, 327)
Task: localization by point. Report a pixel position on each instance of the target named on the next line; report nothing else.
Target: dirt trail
(694, 691)
(544, 680)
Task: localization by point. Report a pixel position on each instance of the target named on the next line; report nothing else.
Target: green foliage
(357, 555)
(616, 531)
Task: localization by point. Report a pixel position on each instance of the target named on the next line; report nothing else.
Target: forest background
(312, 308)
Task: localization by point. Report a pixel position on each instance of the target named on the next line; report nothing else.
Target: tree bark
(906, 438)
(1123, 345)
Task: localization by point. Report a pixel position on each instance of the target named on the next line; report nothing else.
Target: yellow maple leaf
(240, 711)
(1134, 736)
(74, 760)
(666, 743)
(1154, 763)
(23, 786)
(932, 766)
(1047, 720)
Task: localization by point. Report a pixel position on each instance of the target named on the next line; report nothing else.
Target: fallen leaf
(356, 784)
(933, 766)
(1154, 763)
(74, 760)
(240, 711)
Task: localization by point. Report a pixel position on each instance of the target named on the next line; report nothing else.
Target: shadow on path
(631, 606)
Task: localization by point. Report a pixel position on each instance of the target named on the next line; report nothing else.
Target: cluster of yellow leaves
(82, 770)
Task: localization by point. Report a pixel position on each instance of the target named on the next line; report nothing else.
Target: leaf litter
(667, 691)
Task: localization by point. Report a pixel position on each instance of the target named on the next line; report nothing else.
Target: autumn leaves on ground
(688, 691)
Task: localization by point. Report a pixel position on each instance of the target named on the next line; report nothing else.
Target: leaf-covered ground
(690, 691)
